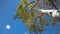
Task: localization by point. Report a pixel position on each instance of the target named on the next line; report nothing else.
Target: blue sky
(7, 12)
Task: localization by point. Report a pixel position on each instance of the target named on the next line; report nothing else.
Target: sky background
(7, 12)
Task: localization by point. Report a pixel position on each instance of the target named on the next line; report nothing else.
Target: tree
(35, 20)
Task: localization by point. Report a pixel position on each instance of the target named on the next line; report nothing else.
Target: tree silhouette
(35, 20)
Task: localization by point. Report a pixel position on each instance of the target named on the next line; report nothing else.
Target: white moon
(25, 33)
(8, 27)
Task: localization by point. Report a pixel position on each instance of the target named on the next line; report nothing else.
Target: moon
(8, 27)
(25, 33)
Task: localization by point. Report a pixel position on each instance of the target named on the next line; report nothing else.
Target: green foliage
(19, 7)
(41, 29)
(48, 2)
(22, 2)
(34, 20)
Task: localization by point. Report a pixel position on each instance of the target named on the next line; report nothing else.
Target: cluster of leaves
(48, 3)
(33, 19)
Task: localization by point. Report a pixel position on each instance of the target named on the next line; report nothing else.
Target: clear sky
(7, 12)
